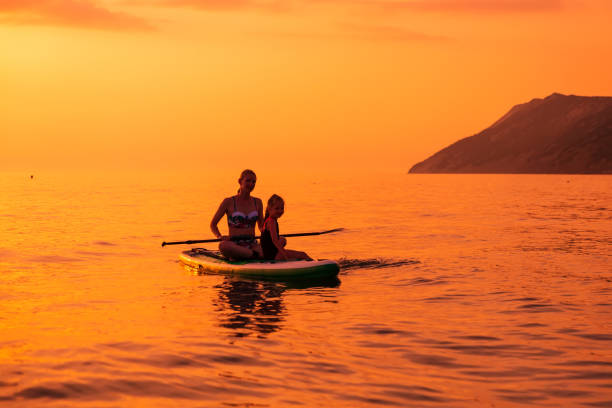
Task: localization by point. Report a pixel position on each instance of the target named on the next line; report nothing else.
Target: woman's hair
(246, 172)
(271, 201)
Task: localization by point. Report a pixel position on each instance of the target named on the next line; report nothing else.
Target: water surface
(455, 291)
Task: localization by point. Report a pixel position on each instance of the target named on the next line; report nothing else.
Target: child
(272, 244)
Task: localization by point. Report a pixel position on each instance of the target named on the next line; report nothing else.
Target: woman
(243, 212)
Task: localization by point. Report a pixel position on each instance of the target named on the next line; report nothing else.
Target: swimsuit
(245, 240)
(269, 249)
(238, 219)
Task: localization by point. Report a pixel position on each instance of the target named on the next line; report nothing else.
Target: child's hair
(246, 172)
(275, 198)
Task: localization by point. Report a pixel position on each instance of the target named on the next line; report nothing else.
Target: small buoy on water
(31, 176)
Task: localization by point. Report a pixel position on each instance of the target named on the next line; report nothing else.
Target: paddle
(200, 241)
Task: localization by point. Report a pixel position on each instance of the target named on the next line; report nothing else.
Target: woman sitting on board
(272, 244)
(243, 212)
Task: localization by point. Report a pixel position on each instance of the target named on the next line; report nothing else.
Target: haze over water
(454, 291)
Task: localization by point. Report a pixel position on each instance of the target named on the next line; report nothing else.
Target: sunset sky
(280, 83)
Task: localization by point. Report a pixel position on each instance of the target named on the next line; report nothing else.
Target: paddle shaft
(201, 241)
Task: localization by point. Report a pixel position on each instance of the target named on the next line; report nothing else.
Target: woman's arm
(260, 216)
(217, 217)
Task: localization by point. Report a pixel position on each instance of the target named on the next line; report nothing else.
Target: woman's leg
(232, 250)
(256, 248)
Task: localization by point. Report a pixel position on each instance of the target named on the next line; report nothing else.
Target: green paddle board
(208, 261)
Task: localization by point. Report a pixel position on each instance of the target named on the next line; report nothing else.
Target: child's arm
(282, 254)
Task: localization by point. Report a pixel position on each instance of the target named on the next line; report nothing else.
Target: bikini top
(238, 219)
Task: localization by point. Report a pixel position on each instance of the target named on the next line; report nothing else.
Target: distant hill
(559, 134)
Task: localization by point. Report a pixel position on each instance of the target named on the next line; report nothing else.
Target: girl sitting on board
(272, 244)
(243, 212)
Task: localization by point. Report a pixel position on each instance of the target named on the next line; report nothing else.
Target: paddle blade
(333, 230)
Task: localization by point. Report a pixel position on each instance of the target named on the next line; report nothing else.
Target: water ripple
(374, 263)
(598, 337)
(53, 259)
(435, 360)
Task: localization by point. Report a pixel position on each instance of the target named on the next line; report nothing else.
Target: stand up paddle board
(208, 261)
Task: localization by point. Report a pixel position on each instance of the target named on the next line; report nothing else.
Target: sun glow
(144, 85)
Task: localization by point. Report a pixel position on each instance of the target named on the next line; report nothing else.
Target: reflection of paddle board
(210, 261)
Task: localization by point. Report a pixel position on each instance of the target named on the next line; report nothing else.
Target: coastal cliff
(565, 134)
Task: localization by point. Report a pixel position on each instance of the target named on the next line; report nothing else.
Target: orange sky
(280, 84)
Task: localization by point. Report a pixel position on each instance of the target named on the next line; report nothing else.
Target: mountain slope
(558, 134)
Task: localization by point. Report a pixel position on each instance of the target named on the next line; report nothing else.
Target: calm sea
(455, 291)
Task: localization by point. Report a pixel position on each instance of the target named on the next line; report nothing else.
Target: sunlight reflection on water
(455, 290)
